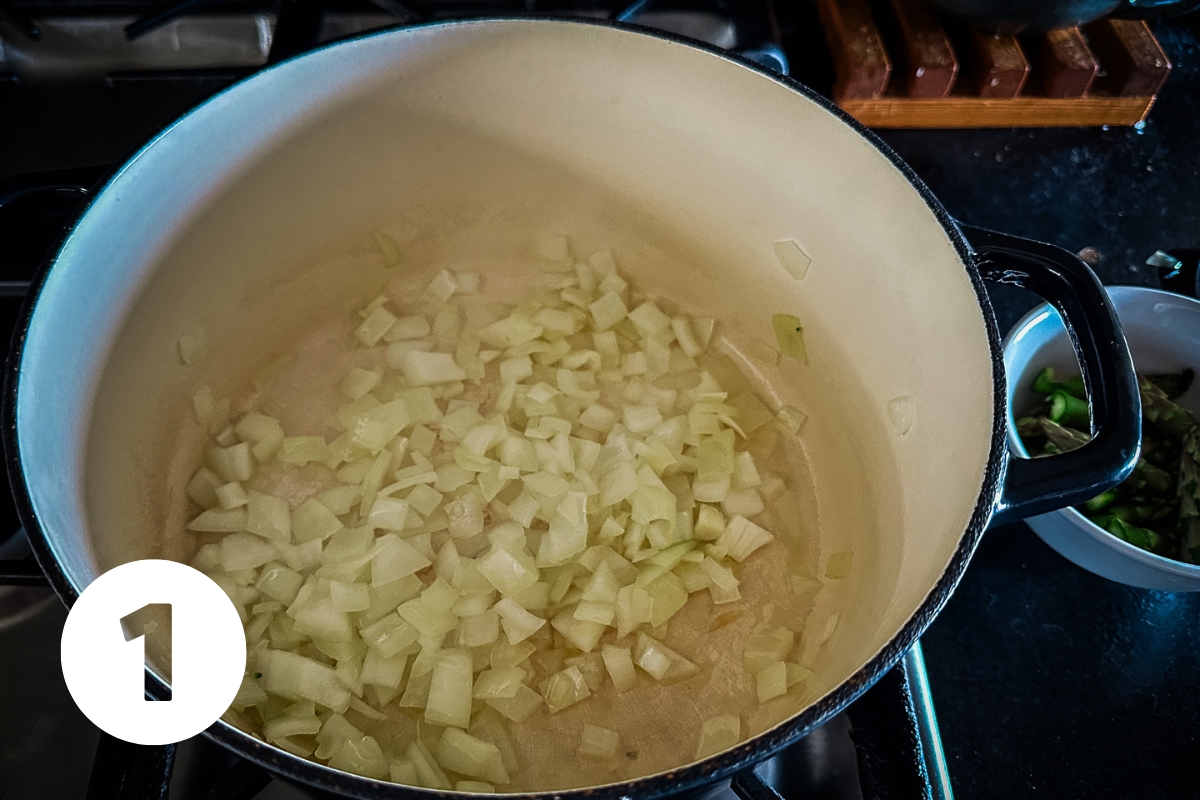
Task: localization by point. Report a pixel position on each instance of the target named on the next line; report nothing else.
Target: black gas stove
(83, 86)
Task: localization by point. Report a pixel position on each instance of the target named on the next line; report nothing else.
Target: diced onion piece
(389, 635)
(599, 743)
(427, 368)
(279, 582)
(245, 551)
(642, 419)
(651, 658)
(767, 647)
(709, 523)
(590, 611)
(510, 332)
(204, 404)
(900, 412)
(520, 707)
(313, 521)
(565, 689)
(279, 727)
(268, 516)
(498, 684)
(607, 311)
(635, 607)
(298, 678)
(405, 328)
(450, 689)
(714, 492)
(649, 320)
(518, 623)
(403, 772)
(388, 513)
(751, 413)
(465, 516)
(568, 532)
(265, 432)
(302, 449)
(231, 495)
(459, 751)
(619, 663)
(442, 287)
(838, 565)
(249, 694)
(744, 502)
(745, 473)
(376, 427)
(790, 420)
(508, 573)
(375, 326)
(386, 671)
(232, 463)
(771, 682)
(429, 773)
(387, 248)
(349, 596)
(395, 559)
(216, 520)
(796, 673)
(203, 487)
(742, 537)
(193, 344)
(718, 734)
(789, 336)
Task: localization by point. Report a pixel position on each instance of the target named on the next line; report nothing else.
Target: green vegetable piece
(1066, 439)
(1189, 497)
(1166, 416)
(1173, 384)
(1030, 428)
(1069, 410)
(1101, 501)
(1045, 385)
(387, 248)
(1143, 538)
(790, 336)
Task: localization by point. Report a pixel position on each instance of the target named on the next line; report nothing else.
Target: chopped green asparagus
(1045, 385)
(1158, 408)
(1189, 497)
(1157, 508)
(1067, 409)
(1174, 384)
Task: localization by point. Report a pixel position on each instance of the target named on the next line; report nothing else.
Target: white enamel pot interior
(251, 217)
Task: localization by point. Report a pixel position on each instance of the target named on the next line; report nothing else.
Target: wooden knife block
(899, 65)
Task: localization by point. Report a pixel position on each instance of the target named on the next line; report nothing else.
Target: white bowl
(1163, 331)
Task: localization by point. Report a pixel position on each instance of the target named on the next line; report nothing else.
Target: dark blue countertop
(1051, 682)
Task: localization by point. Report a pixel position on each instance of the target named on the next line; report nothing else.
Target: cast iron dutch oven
(691, 164)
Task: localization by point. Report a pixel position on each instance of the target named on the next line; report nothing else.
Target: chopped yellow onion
(507, 491)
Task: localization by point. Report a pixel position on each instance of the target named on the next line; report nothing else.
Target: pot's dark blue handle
(1039, 485)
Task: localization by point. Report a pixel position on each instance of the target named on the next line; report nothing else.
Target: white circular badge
(104, 643)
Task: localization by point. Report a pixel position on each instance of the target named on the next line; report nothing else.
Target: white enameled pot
(692, 165)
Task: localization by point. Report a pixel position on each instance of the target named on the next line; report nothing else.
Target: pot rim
(689, 776)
